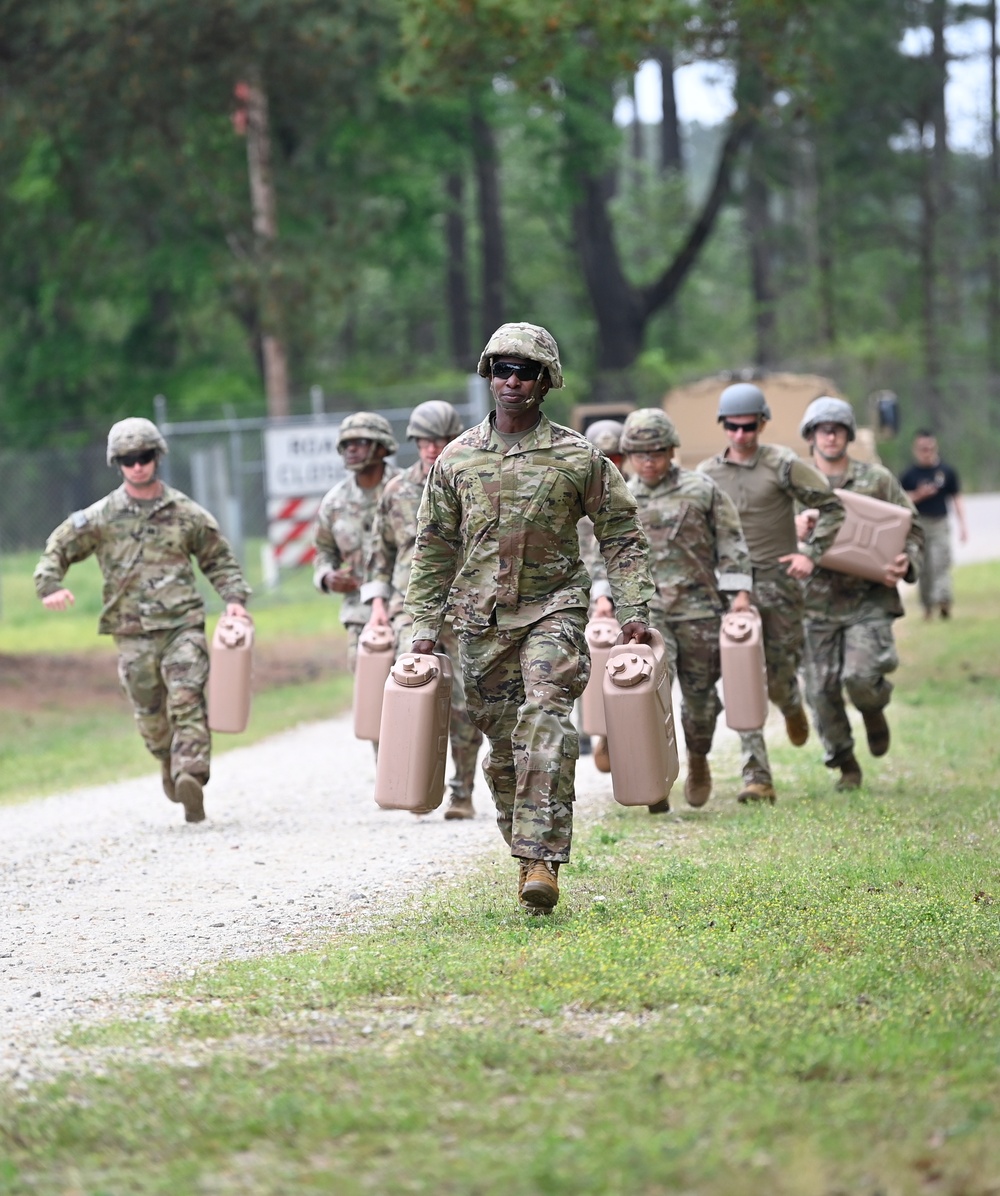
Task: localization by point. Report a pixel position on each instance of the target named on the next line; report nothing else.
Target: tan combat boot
(538, 891)
(698, 782)
(797, 725)
(877, 730)
(754, 791)
(190, 795)
(602, 759)
(459, 807)
(168, 781)
(850, 774)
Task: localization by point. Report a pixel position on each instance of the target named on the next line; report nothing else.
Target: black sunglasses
(731, 427)
(526, 371)
(142, 458)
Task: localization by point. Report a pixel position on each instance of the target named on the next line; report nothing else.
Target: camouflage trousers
(521, 685)
(778, 597)
(693, 656)
(856, 658)
(163, 674)
(934, 582)
(464, 737)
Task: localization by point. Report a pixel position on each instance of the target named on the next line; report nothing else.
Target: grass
(796, 1000)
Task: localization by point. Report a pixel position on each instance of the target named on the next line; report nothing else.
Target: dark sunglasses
(142, 458)
(731, 427)
(526, 371)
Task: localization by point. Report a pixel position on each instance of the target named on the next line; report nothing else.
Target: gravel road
(106, 893)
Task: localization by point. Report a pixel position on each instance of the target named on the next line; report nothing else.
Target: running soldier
(345, 518)
(698, 557)
(497, 544)
(765, 481)
(144, 535)
(432, 426)
(848, 624)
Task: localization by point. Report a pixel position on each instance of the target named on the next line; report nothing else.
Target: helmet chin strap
(534, 399)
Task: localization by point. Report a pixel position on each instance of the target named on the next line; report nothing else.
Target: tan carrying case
(872, 535)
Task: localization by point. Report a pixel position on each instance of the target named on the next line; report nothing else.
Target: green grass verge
(792, 1000)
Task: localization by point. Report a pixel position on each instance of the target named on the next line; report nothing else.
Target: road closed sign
(302, 460)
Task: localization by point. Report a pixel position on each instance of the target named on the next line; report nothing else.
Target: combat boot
(539, 888)
(459, 807)
(168, 781)
(698, 782)
(850, 774)
(797, 725)
(602, 759)
(754, 791)
(190, 795)
(877, 730)
(659, 807)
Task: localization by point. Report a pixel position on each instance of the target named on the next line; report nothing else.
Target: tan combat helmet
(606, 434)
(434, 420)
(134, 435)
(649, 430)
(366, 425)
(826, 410)
(530, 341)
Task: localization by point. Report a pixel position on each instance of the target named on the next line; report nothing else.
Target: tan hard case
(376, 645)
(413, 738)
(230, 675)
(744, 670)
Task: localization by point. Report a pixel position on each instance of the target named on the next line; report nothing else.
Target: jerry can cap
(628, 669)
(376, 637)
(233, 632)
(737, 626)
(602, 633)
(412, 669)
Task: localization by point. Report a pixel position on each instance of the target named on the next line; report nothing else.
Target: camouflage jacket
(836, 598)
(144, 551)
(765, 491)
(343, 526)
(497, 531)
(694, 533)
(394, 533)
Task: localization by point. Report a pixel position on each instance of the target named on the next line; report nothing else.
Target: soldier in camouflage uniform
(765, 481)
(497, 545)
(694, 535)
(144, 535)
(848, 627)
(345, 518)
(387, 571)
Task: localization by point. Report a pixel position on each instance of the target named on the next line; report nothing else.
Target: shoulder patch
(79, 519)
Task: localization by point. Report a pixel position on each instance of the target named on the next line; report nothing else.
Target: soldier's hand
(805, 521)
(236, 610)
(604, 608)
(60, 600)
(799, 565)
(635, 633)
(379, 616)
(896, 570)
(422, 647)
(339, 583)
(742, 601)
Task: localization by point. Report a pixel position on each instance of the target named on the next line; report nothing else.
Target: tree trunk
(484, 153)
(825, 251)
(671, 146)
(993, 214)
(265, 227)
(457, 273)
(757, 219)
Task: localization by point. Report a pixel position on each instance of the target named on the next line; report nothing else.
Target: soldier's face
(515, 390)
(652, 467)
(743, 432)
(830, 441)
(359, 453)
(142, 473)
(429, 449)
(925, 450)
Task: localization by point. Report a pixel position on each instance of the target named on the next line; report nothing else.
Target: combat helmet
(606, 434)
(827, 410)
(649, 431)
(134, 435)
(366, 425)
(530, 341)
(742, 398)
(433, 420)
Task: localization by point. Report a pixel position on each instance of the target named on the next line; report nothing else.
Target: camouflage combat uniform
(153, 609)
(694, 532)
(765, 491)
(848, 626)
(343, 526)
(497, 545)
(387, 569)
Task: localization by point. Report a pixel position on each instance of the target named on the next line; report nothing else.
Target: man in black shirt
(930, 484)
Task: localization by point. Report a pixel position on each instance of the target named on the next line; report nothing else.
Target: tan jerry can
(640, 721)
(601, 635)
(230, 673)
(872, 535)
(413, 740)
(744, 671)
(375, 656)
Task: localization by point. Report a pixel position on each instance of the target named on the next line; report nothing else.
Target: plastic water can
(601, 635)
(230, 673)
(375, 655)
(640, 721)
(413, 738)
(872, 535)
(744, 671)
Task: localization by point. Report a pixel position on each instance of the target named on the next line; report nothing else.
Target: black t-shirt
(943, 476)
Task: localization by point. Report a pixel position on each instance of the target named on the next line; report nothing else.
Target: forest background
(232, 202)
